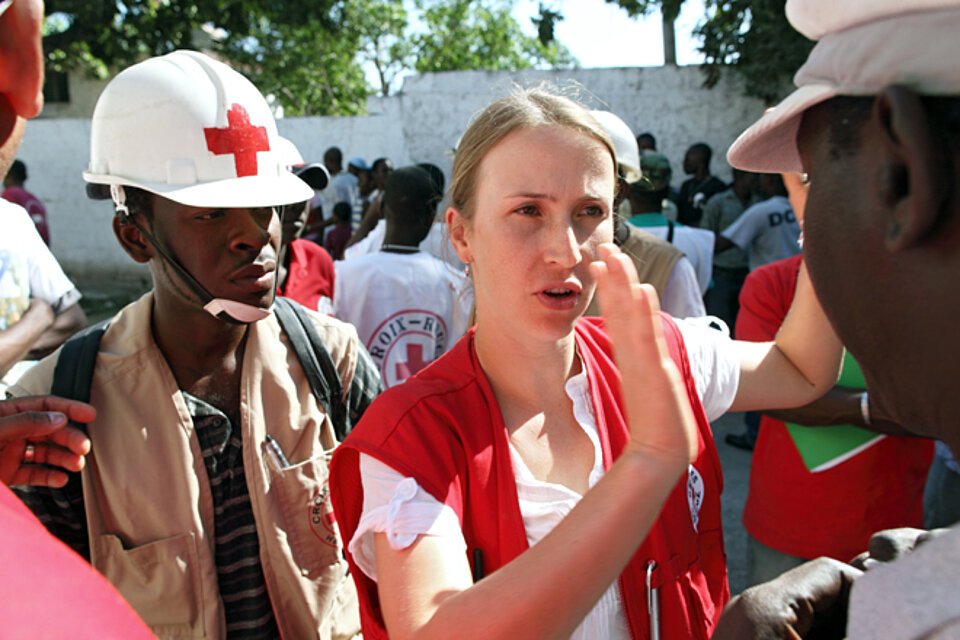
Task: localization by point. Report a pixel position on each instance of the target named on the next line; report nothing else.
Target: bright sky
(601, 34)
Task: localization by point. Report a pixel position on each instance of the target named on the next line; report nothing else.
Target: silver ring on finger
(29, 453)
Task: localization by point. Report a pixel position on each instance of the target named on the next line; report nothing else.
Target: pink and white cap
(863, 46)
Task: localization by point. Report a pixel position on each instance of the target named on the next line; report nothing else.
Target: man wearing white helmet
(658, 262)
(878, 106)
(205, 500)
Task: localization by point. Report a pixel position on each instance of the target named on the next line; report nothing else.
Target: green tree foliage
(114, 33)
(382, 27)
(306, 55)
(635, 8)
(479, 34)
(752, 38)
(303, 67)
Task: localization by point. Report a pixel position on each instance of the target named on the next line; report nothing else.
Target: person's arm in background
(67, 323)
(45, 281)
(17, 339)
(740, 233)
(840, 405)
(722, 243)
(711, 220)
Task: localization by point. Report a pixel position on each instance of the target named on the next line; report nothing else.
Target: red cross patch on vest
(240, 138)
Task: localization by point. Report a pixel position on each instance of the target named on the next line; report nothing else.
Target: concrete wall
(84, 92)
(421, 124)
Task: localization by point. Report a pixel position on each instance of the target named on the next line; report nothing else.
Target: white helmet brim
(243, 193)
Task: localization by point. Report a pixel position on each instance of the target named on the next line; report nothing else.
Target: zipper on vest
(653, 602)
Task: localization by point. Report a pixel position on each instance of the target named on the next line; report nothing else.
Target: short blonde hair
(534, 107)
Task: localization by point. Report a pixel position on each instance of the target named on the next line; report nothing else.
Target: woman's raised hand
(658, 410)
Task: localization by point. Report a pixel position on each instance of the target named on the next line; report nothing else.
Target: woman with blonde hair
(554, 475)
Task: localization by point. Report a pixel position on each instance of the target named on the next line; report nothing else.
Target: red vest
(443, 427)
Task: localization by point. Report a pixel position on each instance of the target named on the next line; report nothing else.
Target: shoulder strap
(315, 361)
(74, 370)
(670, 226)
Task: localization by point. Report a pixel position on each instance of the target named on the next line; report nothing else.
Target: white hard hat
(193, 130)
(625, 145)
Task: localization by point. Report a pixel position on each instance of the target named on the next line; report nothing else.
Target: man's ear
(456, 228)
(21, 57)
(915, 183)
(132, 240)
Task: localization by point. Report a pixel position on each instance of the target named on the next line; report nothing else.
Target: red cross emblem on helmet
(240, 138)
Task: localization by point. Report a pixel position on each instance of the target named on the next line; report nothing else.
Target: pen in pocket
(276, 453)
(477, 564)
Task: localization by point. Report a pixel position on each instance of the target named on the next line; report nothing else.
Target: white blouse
(397, 506)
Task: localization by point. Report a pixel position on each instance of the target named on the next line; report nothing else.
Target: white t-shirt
(27, 268)
(400, 508)
(767, 231)
(408, 308)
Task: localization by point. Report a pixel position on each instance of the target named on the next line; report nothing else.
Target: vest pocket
(303, 496)
(697, 592)
(159, 579)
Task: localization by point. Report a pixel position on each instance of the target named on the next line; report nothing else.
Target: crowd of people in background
(358, 400)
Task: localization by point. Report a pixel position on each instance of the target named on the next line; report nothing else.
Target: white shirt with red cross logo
(408, 308)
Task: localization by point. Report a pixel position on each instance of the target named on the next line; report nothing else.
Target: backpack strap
(315, 361)
(75, 364)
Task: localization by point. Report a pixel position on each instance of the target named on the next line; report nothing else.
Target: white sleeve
(714, 364)
(681, 294)
(397, 506)
(48, 282)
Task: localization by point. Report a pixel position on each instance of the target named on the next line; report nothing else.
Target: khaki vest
(148, 503)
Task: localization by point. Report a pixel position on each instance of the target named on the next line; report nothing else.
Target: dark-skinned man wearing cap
(878, 106)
